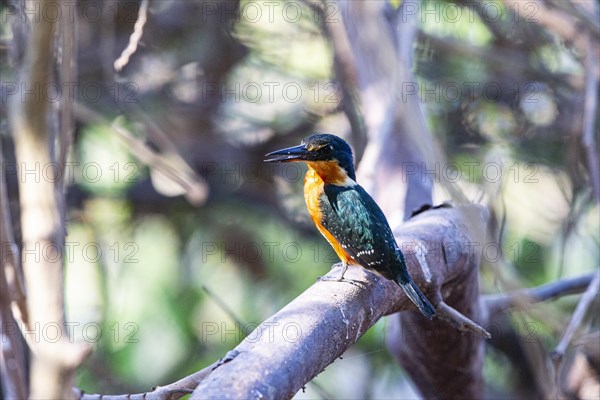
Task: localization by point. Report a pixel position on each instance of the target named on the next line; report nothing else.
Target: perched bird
(346, 215)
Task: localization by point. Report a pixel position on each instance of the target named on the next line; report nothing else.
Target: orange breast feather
(313, 189)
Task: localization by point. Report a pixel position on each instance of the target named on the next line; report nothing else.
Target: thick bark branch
(442, 361)
(296, 344)
(493, 304)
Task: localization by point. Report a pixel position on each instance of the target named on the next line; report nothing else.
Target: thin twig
(173, 391)
(194, 186)
(134, 39)
(589, 115)
(459, 321)
(518, 299)
(587, 298)
(195, 191)
(68, 73)
(558, 354)
(224, 307)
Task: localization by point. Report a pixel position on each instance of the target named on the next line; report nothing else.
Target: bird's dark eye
(327, 150)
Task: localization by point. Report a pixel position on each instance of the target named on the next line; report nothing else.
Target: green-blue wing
(359, 225)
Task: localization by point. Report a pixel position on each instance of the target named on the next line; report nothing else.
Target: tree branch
(590, 111)
(400, 152)
(53, 362)
(13, 373)
(519, 299)
(10, 258)
(459, 321)
(297, 343)
(170, 164)
(590, 294)
(68, 74)
(134, 39)
(344, 65)
(555, 20)
(173, 391)
(286, 326)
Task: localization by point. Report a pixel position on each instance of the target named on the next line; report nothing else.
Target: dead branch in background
(590, 112)
(13, 305)
(168, 163)
(68, 74)
(53, 362)
(590, 294)
(11, 258)
(134, 40)
(557, 356)
(520, 299)
(173, 391)
(12, 361)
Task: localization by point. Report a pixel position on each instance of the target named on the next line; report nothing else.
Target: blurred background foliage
(164, 286)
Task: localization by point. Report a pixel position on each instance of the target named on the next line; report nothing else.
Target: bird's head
(319, 150)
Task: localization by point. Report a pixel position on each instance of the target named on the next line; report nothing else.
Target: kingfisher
(346, 215)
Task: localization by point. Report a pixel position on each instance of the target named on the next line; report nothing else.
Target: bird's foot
(328, 278)
(338, 265)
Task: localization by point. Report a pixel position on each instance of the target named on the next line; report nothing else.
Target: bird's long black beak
(296, 153)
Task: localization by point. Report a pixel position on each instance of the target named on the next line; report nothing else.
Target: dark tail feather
(417, 297)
